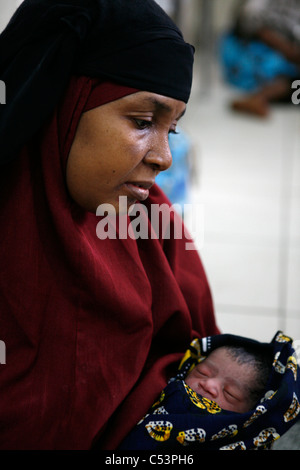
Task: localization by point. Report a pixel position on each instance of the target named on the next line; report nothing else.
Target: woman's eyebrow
(160, 106)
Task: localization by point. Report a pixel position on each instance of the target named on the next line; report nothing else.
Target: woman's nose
(159, 156)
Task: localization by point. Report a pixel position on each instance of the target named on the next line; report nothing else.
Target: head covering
(105, 92)
(93, 328)
(130, 42)
(183, 420)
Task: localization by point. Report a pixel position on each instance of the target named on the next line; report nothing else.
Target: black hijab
(131, 42)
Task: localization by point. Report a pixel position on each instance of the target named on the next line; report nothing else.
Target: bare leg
(258, 103)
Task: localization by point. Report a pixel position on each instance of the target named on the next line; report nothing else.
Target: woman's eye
(142, 123)
(173, 131)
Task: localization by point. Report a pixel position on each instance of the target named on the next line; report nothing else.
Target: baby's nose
(211, 386)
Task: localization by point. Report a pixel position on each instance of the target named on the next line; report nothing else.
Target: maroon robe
(92, 328)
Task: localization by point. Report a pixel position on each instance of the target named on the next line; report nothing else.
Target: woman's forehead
(155, 103)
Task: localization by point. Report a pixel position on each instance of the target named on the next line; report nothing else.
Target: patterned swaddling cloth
(183, 420)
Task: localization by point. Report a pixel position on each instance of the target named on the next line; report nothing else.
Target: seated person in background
(233, 377)
(262, 53)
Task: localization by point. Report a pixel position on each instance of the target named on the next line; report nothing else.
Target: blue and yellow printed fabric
(181, 419)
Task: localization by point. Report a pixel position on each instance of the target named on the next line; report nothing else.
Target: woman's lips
(139, 191)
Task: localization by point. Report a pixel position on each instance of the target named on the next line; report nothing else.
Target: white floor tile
(260, 326)
(294, 220)
(293, 280)
(242, 275)
(292, 327)
(241, 216)
(248, 185)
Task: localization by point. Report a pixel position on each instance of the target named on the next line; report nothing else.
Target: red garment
(92, 327)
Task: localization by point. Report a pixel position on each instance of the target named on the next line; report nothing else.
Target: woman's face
(119, 148)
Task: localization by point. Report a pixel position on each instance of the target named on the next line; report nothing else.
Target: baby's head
(233, 377)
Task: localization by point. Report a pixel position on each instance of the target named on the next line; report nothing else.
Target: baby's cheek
(189, 380)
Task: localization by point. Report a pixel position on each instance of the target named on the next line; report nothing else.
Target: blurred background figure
(176, 181)
(262, 53)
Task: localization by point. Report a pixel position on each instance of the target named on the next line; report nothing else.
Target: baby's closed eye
(231, 395)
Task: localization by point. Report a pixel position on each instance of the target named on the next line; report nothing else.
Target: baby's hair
(260, 360)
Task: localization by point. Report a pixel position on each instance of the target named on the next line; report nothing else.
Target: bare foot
(255, 105)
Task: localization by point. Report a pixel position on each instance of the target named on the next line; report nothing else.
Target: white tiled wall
(248, 181)
(7, 8)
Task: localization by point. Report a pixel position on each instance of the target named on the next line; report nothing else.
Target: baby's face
(220, 378)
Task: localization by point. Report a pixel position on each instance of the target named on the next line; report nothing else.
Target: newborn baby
(229, 392)
(232, 377)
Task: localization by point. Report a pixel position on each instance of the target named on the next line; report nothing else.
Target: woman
(93, 327)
